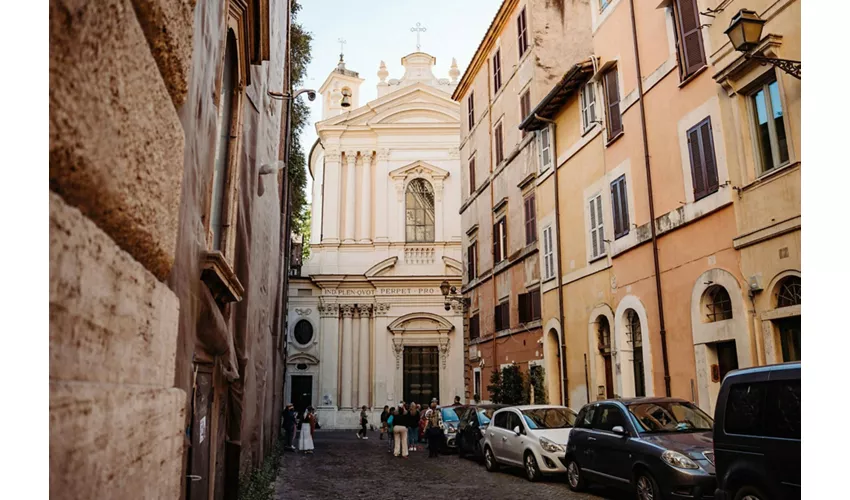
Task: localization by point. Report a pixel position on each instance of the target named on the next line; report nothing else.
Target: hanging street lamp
(744, 32)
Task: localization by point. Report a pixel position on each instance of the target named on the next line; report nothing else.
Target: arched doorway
(604, 346)
(552, 361)
(632, 350)
(635, 338)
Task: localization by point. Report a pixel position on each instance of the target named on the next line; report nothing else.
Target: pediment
(419, 168)
(420, 323)
(453, 267)
(302, 357)
(382, 268)
(417, 103)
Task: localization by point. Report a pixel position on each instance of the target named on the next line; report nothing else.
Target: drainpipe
(651, 205)
(565, 394)
(756, 338)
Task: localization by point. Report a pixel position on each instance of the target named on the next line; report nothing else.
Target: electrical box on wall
(755, 283)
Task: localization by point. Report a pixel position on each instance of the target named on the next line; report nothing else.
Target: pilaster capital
(347, 310)
(351, 157)
(381, 309)
(328, 310)
(366, 156)
(383, 154)
(332, 154)
(365, 310)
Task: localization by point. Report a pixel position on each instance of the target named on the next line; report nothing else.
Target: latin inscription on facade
(368, 292)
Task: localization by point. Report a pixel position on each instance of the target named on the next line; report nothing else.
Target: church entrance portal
(421, 374)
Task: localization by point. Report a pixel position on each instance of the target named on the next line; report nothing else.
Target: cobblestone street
(345, 467)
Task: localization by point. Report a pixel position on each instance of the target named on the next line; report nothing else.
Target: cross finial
(341, 42)
(418, 29)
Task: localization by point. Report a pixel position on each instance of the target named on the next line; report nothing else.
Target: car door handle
(504, 438)
(591, 438)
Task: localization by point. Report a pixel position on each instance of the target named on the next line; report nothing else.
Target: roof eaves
(549, 106)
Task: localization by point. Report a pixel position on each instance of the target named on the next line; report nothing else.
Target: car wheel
(646, 488)
(532, 471)
(575, 479)
(750, 493)
(490, 460)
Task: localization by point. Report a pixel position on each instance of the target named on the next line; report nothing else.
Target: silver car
(532, 437)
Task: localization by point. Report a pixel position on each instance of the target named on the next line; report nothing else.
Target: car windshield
(549, 418)
(485, 415)
(669, 416)
(450, 415)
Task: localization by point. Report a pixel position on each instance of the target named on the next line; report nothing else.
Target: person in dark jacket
(289, 422)
(384, 416)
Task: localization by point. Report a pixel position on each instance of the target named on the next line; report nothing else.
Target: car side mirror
(618, 429)
(517, 430)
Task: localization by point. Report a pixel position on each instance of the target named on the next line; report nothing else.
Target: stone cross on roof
(418, 29)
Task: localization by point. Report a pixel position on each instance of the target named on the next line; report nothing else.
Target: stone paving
(343, 466)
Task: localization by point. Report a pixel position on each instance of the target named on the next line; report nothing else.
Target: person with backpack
(364, 420)
(390, 422)
(384, 416)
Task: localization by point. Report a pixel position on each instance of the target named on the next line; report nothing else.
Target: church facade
(367, 322)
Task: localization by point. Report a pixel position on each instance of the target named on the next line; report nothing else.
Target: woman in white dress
(308, 426)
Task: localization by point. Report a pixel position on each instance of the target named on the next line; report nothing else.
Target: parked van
(757, 434)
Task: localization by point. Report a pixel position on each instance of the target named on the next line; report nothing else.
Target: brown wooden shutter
(471, 106)
(497, 317)
(474, 327)
(500, 155)
(472, 175)
(691, 36)
(506, 315)
(470, 259)
(535, 305)
(497, 70)
(524, 308)
(616, 211)
(612, 100)
(703, 161)
(522, 34)
(504, 224)
(496, 257)
(525, 108)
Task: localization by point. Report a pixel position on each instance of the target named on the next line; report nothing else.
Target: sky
(376, 31)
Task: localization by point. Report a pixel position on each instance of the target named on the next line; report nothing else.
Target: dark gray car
(657, 447)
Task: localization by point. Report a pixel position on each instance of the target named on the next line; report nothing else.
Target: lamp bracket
(789, 66)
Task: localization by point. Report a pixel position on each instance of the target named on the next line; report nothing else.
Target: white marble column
(350, 196)
(328, 354)
(355, 357)
(331, 178)
(347, 355)
(384, 359)
(364, 363)
(365, 197)
(382, 220)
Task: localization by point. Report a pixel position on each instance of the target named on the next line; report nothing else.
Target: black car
(757, 434)
(473, 420)
(658, 447)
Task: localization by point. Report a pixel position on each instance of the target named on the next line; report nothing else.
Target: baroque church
(368, 324)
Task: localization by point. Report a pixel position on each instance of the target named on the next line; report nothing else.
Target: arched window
(419, 218)
(788, 292)
(717, 304)
(222, 144)
(636, 340)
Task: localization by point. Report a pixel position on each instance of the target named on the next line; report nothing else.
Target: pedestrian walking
(305, 443)
(364, 420)
(457, 401)
(384, 416)
(390, 417)
(400, 433)
(289, 426)
(434, 430)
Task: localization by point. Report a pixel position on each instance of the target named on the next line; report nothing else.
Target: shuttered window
(524, 107)
(497, 70)
(588, 106)
(530, 220)
(503, 316)
(691, 51)
(548, 254)
(529, 306)
(703, 161)
(597, 229)
(522, 32)
(472, 175)
(470, 104)
(500, 150)
(500, 240)
(544, 136)
(472, 261)
(620, 207)
(474, 327)
(612, 102)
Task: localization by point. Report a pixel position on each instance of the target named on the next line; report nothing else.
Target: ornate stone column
(355, 358)
(346, 371)
(382, 220)
(331, 178)
(366, 198)
(363, 364)
(382, 387)
(328, 354)
(350, 195)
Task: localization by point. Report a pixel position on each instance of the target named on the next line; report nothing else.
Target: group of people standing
(308, 427)
(407, 424)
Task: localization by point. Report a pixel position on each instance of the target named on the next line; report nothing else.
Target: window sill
(706, 195)
(621, 235)
(693, 76)
(590, 129)
(770, 174)
(220, 278)
(591, 260)
(615, 138)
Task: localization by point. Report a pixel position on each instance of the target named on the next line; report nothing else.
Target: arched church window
(718, 305)
(222, 144)
(788, 292)
(419, 217)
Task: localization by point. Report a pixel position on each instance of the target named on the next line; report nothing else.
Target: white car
(532, 437)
